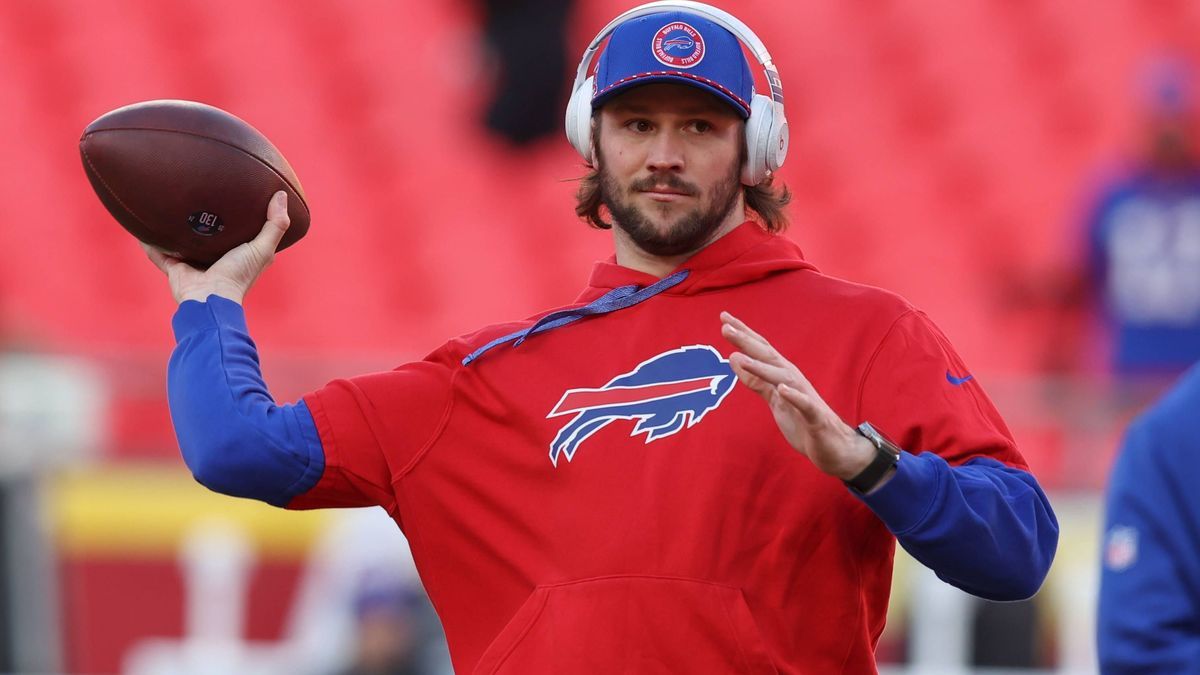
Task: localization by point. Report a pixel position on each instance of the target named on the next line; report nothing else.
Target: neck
(629, 255)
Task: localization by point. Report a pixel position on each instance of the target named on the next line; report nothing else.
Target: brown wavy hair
(764, 201)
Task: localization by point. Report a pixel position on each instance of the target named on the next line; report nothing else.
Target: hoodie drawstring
(614, 300)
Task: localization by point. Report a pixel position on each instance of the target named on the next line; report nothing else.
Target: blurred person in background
(526, 42)
(389, 633)
(753, 528)
(1134, 294)
(358, 583)
(1149, 607)
(1143, 238)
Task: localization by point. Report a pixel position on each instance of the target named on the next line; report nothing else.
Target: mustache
(668, 181)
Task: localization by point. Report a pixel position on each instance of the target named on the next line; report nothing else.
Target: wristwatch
(887, 456)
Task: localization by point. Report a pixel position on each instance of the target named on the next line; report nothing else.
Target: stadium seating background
(940, 149)
(937, 148)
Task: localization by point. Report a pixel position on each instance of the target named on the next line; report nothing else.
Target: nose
(665, 153)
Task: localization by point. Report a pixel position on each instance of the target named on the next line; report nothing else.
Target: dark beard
(689, 233)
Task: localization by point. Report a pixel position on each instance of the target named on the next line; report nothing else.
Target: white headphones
(766, 129)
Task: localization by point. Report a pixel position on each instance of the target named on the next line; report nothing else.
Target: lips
(664, 196)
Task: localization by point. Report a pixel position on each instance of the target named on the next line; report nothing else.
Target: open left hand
(807, 422)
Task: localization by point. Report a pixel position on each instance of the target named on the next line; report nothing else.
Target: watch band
(887, 456)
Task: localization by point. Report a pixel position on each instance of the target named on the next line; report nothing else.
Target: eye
(639, 125)
(701, 126)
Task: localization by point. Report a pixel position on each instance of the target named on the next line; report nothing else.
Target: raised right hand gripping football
(234, 273)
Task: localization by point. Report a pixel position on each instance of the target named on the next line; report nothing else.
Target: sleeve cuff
(194, 316)
(904, 501)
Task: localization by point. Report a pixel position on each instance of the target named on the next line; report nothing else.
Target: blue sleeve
(234, 438)
(984, 527)
(1148, 618)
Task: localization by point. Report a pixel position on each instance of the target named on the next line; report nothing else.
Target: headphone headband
(720, 17)
(766, 126)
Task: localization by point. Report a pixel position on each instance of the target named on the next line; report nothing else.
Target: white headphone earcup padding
(758, 134)
(579, 119)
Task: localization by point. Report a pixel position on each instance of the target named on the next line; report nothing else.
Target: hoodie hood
(744, 255)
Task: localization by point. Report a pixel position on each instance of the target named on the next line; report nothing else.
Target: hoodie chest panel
(725, 499)
(619, 443)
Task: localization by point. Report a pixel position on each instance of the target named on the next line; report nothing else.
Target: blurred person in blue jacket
(1144, 238)
(1149, 609)
(360, 607)
(390, 633)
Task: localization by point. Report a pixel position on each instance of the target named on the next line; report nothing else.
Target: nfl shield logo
(1121, 548)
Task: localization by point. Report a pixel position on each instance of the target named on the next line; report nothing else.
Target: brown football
(188, 178)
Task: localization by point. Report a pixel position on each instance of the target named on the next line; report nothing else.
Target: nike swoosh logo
(958, 381)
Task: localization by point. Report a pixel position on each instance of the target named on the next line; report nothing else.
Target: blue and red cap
(678, 47)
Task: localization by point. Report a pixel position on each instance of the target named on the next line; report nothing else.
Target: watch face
(880, 442)
(887, 455)
(870, 434)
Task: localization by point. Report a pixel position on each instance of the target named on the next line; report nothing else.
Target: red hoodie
(564, 521)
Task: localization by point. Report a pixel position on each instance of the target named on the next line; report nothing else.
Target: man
(588, 491)
(1143, 239)
(1149, 610)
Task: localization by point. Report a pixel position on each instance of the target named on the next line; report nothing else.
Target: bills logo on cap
(665, 394)
(678, 45)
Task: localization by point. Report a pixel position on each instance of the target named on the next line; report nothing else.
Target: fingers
(155, 256)
(160, 259)
(805, 404)
(740, 325)
(753, 382)
(752, 347)
(276, 226)
(756, 347)
(771, 374)
(748, 341)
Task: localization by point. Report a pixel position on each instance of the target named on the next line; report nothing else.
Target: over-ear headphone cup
(758, 133)
(579, 119)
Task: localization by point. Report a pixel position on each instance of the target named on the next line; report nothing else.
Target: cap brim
(674, 77)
